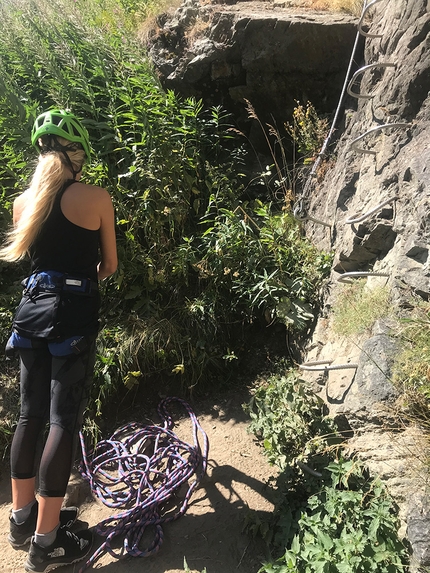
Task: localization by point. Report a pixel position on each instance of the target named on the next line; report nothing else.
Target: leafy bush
(290, 420)
(330, 515)
(307, 131)
(349, 526)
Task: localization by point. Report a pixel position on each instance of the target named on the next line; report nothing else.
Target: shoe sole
(52, 566)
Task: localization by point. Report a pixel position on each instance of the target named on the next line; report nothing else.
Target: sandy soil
(210, 534)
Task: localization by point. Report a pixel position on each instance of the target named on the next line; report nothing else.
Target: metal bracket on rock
(358, 218)
(361, 21)
(361, 71)
(347, 277)
(353, 144)
(318, 366)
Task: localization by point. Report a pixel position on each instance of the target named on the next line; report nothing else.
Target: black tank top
(63, 246)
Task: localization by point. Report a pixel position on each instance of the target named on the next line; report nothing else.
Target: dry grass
(151, 26)
(197, 30)
(350, 6)
(358, 307)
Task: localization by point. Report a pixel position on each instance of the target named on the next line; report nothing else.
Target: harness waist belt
(54, 281)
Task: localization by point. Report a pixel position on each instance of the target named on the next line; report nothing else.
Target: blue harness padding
(71, 345)
(54, 281)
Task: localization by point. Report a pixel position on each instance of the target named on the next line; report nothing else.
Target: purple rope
(138, 469)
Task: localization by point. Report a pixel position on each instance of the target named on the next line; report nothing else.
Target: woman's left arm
(109, 258)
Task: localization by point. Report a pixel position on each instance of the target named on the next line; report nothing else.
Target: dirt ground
(210, 535)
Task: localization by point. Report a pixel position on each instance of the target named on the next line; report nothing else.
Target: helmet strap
(54, 145)
(67, 158)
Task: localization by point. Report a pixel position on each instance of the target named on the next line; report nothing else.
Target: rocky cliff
(376, 199)
(372, 206)
(257, 51)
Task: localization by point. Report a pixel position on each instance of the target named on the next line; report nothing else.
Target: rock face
(268, 55)
(374, 198)
(381, 170)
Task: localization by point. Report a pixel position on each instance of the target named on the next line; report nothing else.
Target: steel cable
(140, 469)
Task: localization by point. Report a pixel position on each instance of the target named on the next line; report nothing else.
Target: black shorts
(56, 388)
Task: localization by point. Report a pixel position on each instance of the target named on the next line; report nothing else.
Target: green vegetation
(188, 570)
(331, 516)
(348, 526)
(358, 307)
(289, 419)
(198, 263)
(308, 131)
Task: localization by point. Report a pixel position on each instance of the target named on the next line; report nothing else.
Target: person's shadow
(209, 535)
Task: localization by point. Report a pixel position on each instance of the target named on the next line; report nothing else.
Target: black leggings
(56, 389)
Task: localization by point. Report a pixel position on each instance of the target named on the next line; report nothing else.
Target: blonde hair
(51, 173)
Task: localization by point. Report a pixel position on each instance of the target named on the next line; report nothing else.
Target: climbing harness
(54, 281)
(40, 313)
(141, 469)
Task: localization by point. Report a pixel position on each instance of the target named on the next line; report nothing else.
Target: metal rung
(304, 217)
(346, 277)
(361, 71)
(300, 214)
(360, 22)
(372, 130)
(357, 218)
(318, 366)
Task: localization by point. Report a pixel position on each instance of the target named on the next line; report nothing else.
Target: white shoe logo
(58, 552)
(83, 543)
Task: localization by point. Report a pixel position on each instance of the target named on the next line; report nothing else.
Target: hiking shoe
(67, 548)
(21, 534)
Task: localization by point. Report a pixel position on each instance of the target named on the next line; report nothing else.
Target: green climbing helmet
(61, 123)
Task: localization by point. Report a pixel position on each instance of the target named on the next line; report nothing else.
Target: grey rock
(418, 528)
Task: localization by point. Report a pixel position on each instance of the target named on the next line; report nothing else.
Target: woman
(67, 229)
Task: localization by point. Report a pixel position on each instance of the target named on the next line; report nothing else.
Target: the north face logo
(58, 552)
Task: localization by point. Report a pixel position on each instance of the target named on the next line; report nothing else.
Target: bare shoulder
(92, 193)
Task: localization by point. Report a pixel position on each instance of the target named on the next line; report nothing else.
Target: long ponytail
(50, 175)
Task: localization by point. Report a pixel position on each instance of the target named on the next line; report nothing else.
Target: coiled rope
(139, 469)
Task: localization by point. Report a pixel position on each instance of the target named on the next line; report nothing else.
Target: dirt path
(210, 533)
